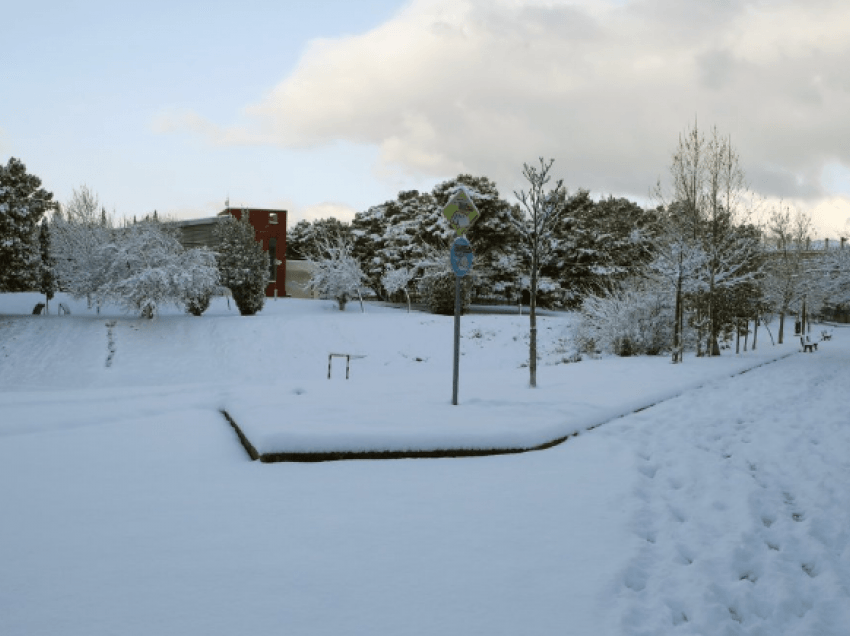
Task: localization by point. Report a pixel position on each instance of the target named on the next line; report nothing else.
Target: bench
(808, 345)
(826, 335)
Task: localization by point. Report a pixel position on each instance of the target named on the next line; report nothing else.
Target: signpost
(461, 213)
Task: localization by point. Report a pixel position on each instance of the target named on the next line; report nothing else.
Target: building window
(272, 259)
(273, 218)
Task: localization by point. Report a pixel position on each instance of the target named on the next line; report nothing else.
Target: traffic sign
(461, 256)
(461, 212)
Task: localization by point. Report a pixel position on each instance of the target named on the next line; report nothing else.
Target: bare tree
(541, 210)
(787, 274)
(707, 211)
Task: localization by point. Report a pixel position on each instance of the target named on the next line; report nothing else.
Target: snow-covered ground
(130, 507)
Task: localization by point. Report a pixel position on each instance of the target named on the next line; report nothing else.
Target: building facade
(269, 230)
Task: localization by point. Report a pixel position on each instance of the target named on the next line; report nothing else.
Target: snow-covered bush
(437, 283)
(632, 320)
(242, 263)
(439, 290)
(397, 280)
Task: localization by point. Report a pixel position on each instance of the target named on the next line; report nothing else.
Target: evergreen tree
(305, 237)
(494, 237)
(242, 263)
(47, 275)
(599, 244)
(22, 204)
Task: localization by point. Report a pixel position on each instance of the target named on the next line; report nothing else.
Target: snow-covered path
(743, 505)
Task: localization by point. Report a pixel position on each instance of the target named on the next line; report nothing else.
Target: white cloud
(187, 121)
(605, 87)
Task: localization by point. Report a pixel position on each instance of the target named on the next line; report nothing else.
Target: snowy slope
(129, 506)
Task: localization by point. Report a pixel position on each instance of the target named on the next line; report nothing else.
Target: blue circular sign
(461, 256)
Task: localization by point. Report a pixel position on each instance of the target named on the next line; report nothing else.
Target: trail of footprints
(668, 490)
(110, 342)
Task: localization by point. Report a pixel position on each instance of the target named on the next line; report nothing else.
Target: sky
(329, 107)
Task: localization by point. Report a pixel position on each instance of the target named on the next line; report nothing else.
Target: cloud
(187, 121)
(604, 87)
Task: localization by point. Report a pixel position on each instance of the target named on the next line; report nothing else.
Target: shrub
(625, 322)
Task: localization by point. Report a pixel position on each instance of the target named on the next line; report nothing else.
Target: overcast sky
(330, 106)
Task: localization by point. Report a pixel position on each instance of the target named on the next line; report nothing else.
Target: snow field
(130, 507)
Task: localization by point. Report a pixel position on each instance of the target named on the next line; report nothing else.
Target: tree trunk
(781, 326)
(737, 336)
(755, 331)
(677, 324)
(532, 341)
(711, 348)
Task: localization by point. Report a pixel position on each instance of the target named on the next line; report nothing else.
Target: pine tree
(242, 263)
(47, 275)
(22, 204)
(494, 237)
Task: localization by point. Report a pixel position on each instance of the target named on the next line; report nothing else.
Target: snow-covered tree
(397, 234)
(303, 238)
(397, 280)
(708, 211)
(542, 208)
(494, 237)
(337, 274)
(148, 268)
(80, 230)
(46, 273)
(23, 202)
(788, 274)
(676, 267)
(242, 263)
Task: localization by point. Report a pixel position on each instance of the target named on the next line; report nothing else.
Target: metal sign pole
(457, 341)
(461, 213)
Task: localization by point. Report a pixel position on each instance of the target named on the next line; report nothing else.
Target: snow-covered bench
(808, 345)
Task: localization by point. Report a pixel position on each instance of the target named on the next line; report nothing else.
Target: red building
(270, 231)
